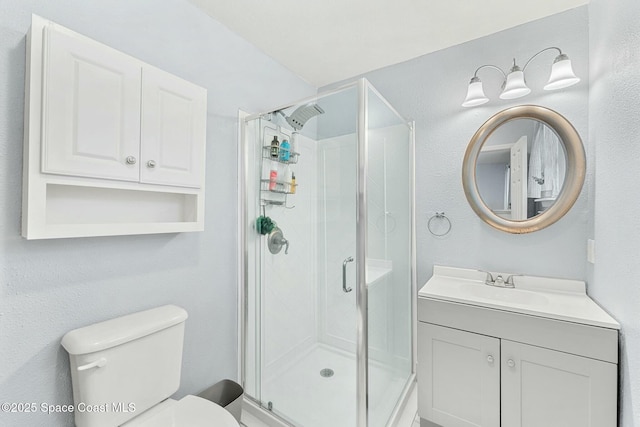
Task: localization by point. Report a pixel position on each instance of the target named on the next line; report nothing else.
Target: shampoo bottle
(275, 147)
(285, 150)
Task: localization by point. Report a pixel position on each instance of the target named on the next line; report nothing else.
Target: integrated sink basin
(552, 298)
(506, 295)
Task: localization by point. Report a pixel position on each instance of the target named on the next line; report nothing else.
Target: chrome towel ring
(439, 216)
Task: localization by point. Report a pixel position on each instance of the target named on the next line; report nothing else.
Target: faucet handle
(499, 281)
(509, 282)
(489, 279)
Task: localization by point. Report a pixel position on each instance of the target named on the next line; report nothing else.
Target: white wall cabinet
(90, 108)
(172, 131)
(112, 145)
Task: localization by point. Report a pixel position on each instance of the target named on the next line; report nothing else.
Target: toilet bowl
(127, 368)
(189, 411)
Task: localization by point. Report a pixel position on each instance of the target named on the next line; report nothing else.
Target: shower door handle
(344, 274)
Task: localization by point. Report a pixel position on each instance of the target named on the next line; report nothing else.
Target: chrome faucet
(499, 280)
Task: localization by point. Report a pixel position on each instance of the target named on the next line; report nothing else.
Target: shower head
(301, 115)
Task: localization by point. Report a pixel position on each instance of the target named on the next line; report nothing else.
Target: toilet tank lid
(110, 333)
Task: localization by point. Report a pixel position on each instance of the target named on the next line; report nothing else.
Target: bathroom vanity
(498, 350)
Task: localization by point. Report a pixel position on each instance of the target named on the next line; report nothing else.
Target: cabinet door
(542, 387)
(174, 115)
(91, 108)
(458, 377)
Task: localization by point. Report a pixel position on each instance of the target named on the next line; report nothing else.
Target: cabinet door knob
(131, 160)
(511, 363)
(151, 164)
(490, 359)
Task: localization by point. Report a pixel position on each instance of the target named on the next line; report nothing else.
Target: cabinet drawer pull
(511, 363)
(151, 164)
(490, 359)
(131, 160)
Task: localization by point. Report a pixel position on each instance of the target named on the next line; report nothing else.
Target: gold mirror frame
(574, 176)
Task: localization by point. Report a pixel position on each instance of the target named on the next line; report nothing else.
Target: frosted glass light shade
(475, 94)
(515, 86)
(562, 74)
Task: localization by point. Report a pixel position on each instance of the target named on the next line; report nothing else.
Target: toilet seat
(190, 411)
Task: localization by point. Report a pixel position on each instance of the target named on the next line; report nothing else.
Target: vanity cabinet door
(173, 136)
(458, 377)
(90, 108)
(542, 387)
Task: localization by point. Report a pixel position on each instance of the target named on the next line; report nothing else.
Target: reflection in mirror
(539, 172)
(521, 169)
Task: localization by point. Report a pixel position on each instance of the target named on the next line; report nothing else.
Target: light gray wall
(614, 128)
(50, 287)
(430, 90)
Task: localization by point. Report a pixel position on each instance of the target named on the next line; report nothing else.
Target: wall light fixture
(514, 84)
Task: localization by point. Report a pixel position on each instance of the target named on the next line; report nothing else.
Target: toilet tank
(124, 366)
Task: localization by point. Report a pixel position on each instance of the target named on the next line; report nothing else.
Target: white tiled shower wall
(289, 280)
(337, 240)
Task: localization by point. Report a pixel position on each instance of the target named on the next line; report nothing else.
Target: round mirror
(523, 169)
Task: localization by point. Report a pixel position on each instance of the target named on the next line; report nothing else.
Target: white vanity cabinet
(542, 387)
(112, 145)
(458, 377)
(490, 358)
(469, 377)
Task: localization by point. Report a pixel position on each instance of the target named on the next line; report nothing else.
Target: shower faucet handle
(276, 240)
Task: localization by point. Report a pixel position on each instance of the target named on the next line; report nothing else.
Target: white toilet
(124, 370)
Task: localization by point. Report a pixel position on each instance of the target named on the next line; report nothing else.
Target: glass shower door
(307, 296)
(389, 257)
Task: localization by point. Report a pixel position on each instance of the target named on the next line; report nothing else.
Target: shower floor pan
(308, 399)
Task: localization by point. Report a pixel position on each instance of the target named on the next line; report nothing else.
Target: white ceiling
(324, 41)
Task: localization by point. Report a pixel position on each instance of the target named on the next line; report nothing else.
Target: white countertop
(559, 299)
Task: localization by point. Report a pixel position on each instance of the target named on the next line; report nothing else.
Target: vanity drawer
(584, 340)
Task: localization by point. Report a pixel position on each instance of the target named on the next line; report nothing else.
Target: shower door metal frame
(362, 341)
(362, 301)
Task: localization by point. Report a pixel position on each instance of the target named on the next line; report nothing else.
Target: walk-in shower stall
(328, 268)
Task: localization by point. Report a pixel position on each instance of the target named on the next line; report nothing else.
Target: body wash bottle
(292, 183)
(288, 176)
(273, 176)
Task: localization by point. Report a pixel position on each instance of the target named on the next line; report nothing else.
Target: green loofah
(264, 225)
